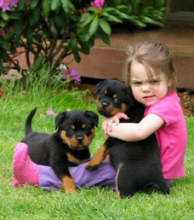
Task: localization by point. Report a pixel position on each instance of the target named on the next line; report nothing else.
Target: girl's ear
(169, 83)
(172, 82)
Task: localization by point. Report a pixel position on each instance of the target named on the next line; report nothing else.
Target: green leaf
(84, 17)
(14, 15)
(114, 19)
(77, 57)
(59, 20)
(103, 36)
(17, 39)
(33, 3)
(4, 44)
(85, 37)
(38, 62)
(29, 36)
(85, 47)
(121, 7)
(31, 21)
(109, 9)
(93, 26)
(21, 5)
(55, 4)
(17, 26)
(86, 21)
(4, 56)
(124, 16)
(36, 14)
(1, 67)
(53, 29)
(5, 16)
(105, 26)
(46, 7)
(71, 5)
(65, 5)
(74, 47)
(151, 21)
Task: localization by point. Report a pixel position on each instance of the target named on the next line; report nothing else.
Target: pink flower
(1, 33)
(74, 72)
(50, 112)
(97, 3)
(67, 72)
(6, 4)
(85, 10)
(76, 78)
(71, 75)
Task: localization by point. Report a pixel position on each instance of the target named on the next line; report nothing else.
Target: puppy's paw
(68, 185)
(71, 191)
(92, 165)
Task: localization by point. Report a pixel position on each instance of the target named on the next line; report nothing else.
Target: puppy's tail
(28, 127)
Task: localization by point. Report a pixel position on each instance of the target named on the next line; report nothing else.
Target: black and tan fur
(137, 163)
(68, 146)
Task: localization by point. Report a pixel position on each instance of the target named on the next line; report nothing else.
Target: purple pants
(105, 176)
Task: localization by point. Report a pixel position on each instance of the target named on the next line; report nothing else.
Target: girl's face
(147, 91)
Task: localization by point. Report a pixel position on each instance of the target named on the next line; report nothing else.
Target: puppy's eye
(102, 95)
(87, 129)
(70, 131)
(117, 100)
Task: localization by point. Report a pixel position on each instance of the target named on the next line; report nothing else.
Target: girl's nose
(146, 87)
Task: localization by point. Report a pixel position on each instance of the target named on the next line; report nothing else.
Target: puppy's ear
(130, 96)
(60, 117)
(93, 116)
(100, 85)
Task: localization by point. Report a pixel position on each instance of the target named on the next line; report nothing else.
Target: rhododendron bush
(51, 30)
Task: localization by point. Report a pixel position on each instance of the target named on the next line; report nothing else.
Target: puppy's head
(76, 128)
(113, 97)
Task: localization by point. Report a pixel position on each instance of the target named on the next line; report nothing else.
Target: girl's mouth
(148, 98)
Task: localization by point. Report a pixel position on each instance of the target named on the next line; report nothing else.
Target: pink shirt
(172, 136)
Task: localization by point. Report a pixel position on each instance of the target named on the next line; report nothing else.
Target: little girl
(150, 73)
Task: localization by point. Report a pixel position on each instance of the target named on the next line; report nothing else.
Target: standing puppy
(137, 163)
(68, 146)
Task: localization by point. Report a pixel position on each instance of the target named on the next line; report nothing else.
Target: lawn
(92, 203)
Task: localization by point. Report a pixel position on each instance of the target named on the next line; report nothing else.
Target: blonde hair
(154, 57)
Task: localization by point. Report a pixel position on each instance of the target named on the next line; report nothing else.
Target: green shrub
(36, 27)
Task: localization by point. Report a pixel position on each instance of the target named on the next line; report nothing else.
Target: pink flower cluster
(51, 112)
(97, 3)
(71, 75)
(7, 4)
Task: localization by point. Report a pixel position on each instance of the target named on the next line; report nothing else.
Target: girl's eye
(137, 83)
(117, 100)
(154, 81)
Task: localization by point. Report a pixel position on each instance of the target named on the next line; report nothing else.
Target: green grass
(93, 203)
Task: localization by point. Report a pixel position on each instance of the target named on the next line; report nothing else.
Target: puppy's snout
(80, 139)
(105, 104)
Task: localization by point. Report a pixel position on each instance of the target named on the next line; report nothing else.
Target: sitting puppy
(67, 147)
(137, 163)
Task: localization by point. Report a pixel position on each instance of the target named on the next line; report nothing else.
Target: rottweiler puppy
(137, 163)
(68, 146)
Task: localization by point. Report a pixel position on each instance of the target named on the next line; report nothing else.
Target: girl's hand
(107, 123)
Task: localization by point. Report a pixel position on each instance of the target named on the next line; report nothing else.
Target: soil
(186, 96)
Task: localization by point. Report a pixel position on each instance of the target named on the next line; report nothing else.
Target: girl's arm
(134, 131)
